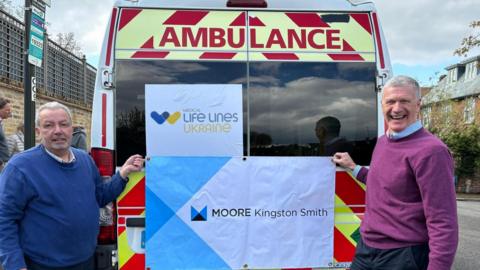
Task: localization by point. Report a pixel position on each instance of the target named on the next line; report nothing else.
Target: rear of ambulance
(297, 61)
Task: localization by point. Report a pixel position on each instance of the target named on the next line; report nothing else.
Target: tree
(68, 42)
(471, 41)
(16, 11)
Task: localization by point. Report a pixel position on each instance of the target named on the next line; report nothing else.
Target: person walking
(5, 113)
(79, 138)
(15, 141)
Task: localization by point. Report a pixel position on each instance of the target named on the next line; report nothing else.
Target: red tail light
(247, 3)
(104, 159)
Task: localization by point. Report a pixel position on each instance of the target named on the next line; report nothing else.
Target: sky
(421, 34)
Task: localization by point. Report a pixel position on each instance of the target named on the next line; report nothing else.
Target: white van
(310, 73)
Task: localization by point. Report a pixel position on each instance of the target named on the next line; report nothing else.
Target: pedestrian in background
(50, 197)
(15, 141)
(5, 112)
(79, 138)
(410, 219)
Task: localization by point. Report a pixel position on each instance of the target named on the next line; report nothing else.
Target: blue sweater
(49, 210)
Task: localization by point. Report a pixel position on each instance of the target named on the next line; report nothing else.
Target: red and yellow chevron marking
(234, 35)
(349, 210)
(181, 35)
(131, 203)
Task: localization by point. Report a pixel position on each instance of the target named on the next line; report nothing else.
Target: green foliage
(471, 41)
(465, 146)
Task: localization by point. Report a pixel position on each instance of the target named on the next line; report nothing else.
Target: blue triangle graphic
(156, 214)
(177, 246)
(176, 179)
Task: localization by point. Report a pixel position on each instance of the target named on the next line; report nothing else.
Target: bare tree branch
(471, 41)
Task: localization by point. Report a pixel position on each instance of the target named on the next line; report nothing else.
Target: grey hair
(52, 106)
(401, 81)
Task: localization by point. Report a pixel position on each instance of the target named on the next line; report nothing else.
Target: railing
(67, 76)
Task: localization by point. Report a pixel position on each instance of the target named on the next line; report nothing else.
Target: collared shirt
(412, 128)
(59, 159)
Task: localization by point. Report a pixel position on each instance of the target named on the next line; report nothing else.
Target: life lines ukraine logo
(165, 116)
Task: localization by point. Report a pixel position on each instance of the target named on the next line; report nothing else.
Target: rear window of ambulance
(290, 108)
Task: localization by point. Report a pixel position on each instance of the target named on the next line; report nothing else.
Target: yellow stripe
(134, 180)
(346, 221)
(124, 251)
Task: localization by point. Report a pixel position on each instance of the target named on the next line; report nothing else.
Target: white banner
(194, 120)
(234, 213)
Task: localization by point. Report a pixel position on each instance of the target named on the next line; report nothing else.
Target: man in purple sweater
(411, 218)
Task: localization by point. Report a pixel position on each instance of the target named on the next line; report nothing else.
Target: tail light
(247, 3)
(104, 159)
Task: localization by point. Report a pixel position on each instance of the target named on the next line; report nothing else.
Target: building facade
(454, 105)
(62, 77)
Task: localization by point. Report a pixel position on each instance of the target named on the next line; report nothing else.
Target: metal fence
(62, 75)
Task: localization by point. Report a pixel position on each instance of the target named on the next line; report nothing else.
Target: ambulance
(310, 75)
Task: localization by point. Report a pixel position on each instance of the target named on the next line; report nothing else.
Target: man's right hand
(344, 160)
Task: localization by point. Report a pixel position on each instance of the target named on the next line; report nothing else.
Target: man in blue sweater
(50, 197)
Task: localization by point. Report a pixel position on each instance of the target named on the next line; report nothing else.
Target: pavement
(468, 197)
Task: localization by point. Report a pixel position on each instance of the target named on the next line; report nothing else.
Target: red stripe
(121, 220)
(255, 21)
(281, 56)
(343, 250)
(136, 196)
(127, 16)
(136, 262)
(110, 36)
(150, 55)
(379, 40)
(213, 55)
(345, 57)
(240, 20)
(130, 211)
(148, 44)
(363, 20)
(121, 229)
(104, 120)
(185, 17)
(307, 19)
(349, 191)
(347, 47)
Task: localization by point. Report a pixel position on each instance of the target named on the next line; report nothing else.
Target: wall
(81, 115)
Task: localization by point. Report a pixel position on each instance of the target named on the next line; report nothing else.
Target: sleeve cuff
(356, 170)
(124, 179)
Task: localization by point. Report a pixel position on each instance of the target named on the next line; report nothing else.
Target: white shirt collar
(59, 159)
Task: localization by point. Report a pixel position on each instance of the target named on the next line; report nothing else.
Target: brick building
(62, 77)
(454, 104)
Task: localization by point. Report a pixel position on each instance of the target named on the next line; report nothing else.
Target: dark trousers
(407, 258)
(86, 265)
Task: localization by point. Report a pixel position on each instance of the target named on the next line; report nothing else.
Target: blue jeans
(407, 258)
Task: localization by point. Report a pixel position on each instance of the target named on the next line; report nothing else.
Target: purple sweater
(411, 197)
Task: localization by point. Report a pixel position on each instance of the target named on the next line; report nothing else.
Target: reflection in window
(130, 92)
(312, 109)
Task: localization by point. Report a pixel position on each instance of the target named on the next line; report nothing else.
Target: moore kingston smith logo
(198, 215)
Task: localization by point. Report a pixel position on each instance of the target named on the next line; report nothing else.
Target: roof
(326, 5)
(460, 89)
(464, 62)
